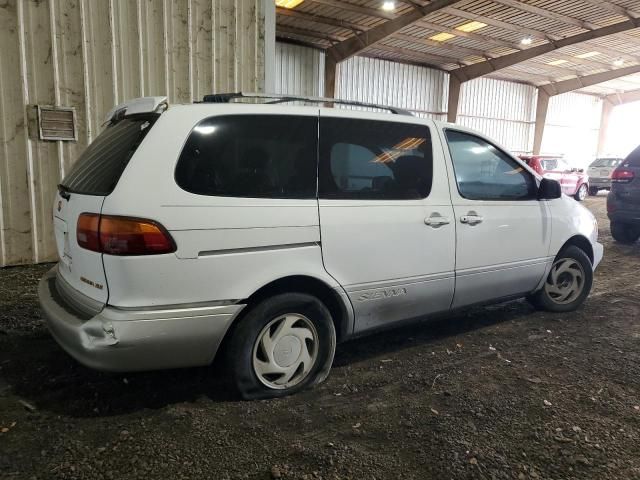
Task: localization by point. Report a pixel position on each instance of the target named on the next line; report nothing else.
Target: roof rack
(277, 98)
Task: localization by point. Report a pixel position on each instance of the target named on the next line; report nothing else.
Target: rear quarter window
(263, 156)
(99, 167)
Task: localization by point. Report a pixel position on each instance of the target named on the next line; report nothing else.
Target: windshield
(98, 169)
(606, 162)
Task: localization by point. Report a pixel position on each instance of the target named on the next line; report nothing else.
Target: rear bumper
(600, 182)
(136, 339)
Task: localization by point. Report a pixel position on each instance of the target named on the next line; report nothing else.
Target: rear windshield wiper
(64, 192)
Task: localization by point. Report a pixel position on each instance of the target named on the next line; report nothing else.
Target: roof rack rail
(278, 98)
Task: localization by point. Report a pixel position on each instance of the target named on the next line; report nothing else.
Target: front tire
(282, 345)
(624, 233)
(581, 194)
(593, 191)
(568, 283)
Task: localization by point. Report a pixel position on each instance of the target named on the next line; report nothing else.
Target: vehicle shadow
(36, 369)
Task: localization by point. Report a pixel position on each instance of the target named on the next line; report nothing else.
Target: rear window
(633, 159)
(606, 162)
(262, 156)
(98, 169)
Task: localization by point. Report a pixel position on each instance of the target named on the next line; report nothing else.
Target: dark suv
(623, 202)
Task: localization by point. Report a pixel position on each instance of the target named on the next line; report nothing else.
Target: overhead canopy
(533, 41)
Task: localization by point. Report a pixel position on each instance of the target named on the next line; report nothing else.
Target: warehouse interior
(505, 392)
(539, 77)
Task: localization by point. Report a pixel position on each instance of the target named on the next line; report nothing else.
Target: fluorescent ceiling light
(471, 26)
(526, 41)
(557, 62)
(441, 37)
(288, 3)
(618, 62)
(588, 55)
(389, 6)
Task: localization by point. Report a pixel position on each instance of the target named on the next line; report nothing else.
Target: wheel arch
(582, 243)
(338, 303)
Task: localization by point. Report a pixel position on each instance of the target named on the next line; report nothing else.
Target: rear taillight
(117, 235)
(622, 175)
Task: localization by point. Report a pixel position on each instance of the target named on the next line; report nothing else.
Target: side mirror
(549, 189)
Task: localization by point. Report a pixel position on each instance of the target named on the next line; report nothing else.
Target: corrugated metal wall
(572, 127)
(91, 55)
(504, 111)
(299, 70)
(418, 89)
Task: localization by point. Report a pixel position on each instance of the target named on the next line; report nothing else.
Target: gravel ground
(497, 392)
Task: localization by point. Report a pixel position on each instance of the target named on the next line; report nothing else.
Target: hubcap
(565, 281)
(583, 192)
(285, 351)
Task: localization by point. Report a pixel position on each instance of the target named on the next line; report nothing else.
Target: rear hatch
(93, 177)
(625, 181)
(602, 168)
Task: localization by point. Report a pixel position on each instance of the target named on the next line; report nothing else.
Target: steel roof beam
(565, 86)
(483, 68)
(354, 45)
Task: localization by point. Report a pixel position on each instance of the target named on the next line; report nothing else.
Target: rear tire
(624, 232)
(581, 194)
(568, 283)
(282, 345)
(593, 191)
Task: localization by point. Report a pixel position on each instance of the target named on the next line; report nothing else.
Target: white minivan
(268, 233)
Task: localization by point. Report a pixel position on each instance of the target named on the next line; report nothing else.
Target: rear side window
(484, 172)
(368, 159)
(272, 156)
(98, 169)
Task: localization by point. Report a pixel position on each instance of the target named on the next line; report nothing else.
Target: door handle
(471, 219)
(436, 221)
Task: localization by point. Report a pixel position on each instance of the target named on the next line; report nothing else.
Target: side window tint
(272, 156)
(368, 159)
(485, 173)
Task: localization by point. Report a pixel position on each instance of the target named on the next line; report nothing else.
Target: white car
(269, 233)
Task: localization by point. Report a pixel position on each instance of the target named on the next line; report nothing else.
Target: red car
(574, 181)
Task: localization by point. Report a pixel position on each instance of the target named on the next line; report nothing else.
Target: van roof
(159, 104)
(277, 98)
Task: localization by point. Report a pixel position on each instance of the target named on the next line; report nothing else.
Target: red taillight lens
(123, 235)
(622, 175)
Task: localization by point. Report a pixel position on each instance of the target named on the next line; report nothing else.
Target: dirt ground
(497, 392)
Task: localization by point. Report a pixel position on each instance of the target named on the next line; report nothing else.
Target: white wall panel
(299, 70)
(91, 55)
(573, 123)
(418, 89)
(501, 110)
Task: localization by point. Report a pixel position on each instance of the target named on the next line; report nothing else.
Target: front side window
(265, 156)
(484, 172)
(369, 159)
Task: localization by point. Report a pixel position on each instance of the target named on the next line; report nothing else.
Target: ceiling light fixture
(618, 62)
(471, 26)
(556, 62)
(588, 55)
(389, 6)
(526, 41)
(288, 3)
(441, 37)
